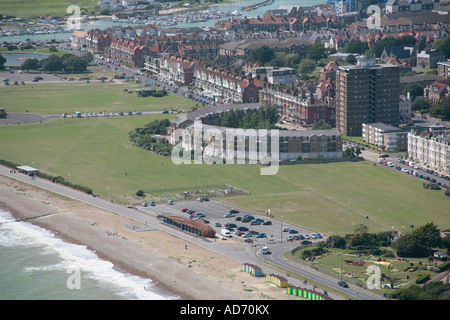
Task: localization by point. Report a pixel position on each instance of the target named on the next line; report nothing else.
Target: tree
(2, 62)
(30, 64)
(307, 66)
(262, 55)
(75, 64)
(408, 246)
(421, 103)
(52, 63)
(89, 57)
(442, 109)
(336, 242)
(357, 47)
(350, 59)
(428, 235)
(320, 125)
(140, 193)
(292, 59)
(415, 90)
(316, 52)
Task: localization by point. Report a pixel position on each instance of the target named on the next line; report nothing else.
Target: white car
(405, 170)
(390, 164)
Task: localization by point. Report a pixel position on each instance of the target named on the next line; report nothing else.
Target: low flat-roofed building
(381, 134)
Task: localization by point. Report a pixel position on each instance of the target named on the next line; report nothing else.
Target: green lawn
(36, 8)
(397, 271)
(328, 198)
(84, 97)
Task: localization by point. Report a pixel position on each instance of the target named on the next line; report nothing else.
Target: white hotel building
(430, 149)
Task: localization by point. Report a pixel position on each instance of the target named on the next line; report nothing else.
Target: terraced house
(430, 149)
(127, 51)
(176, 68)
(227, 86)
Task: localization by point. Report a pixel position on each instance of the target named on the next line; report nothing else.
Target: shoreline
(175, 271)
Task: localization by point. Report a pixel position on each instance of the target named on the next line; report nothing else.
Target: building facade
(366, 93)
(298, 107)
(382, 135)
(430, 149)
(227, 86)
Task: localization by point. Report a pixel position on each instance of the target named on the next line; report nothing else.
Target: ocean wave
(76, 257)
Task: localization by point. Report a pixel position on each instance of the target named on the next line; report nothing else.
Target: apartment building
(97, 40)
(127, 51)
(430, 149)
(227, 86)
(292, 143)
(366, 93)
(405, 109)
(174, 68)
(380, 134)
(437, 90)
(443, 69)
(280, 75)
(298, 107)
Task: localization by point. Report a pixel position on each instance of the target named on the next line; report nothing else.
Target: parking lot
(25, 77)
(215, 212)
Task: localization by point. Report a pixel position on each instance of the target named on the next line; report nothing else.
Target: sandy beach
(194, 273)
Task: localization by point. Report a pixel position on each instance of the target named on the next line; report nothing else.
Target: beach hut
(252, 269)
(278, 280)
(307, 294)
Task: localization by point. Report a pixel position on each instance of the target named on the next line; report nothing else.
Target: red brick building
(127, 51)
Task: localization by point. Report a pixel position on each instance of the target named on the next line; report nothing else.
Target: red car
(184, 209)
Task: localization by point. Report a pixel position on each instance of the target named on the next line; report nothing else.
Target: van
(226, 233)
(265, 250)
(78, 114)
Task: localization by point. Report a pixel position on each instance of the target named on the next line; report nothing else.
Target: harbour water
(233, 7)
(37, 265)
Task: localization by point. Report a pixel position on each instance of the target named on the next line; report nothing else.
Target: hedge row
(423, 279)
(444, 266)
(47, 176)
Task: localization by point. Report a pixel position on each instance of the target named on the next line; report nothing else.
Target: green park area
(330, 198)
(36, 8)
(85, 97)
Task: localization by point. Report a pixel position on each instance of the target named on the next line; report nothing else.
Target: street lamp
(281, 230)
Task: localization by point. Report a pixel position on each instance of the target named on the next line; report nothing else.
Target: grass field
(84, 97)
(36, 8)
(329, 198)
(392, 268)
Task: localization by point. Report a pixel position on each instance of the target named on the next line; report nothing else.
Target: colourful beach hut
(278, 280)
(307, 294)
(252, 269)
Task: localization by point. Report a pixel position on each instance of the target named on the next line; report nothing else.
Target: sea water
(37, 265)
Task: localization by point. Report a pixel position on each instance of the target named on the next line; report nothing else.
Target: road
(236, 250)
(372, 156)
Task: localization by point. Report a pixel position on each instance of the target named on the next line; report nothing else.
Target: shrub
(423, 279)
(140, 193)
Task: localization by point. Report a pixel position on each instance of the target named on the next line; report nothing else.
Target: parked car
(293, 231)
(234, 211)
(289, 238)
(266, 223)
(237, 218)
(230, 225)
(261, 235)
(184, 210)
(228, 215)
(242, 229)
